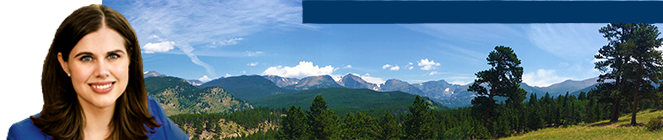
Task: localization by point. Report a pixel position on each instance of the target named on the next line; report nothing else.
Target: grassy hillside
(601, 130)
(343, 100)
(177, 96)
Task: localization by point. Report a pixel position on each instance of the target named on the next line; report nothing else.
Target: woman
(92, 84)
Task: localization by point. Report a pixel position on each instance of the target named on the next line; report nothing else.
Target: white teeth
(102, 86)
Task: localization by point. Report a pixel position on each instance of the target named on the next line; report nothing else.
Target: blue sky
(211, 39)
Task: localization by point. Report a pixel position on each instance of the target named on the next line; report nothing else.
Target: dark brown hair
(62, 116)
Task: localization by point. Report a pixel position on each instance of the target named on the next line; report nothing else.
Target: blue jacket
(167, 131)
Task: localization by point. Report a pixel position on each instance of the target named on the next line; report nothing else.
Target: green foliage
(633, 56)
(389, 128)
(294, 125)
(344, 101)
(470, 129)
(503, 79)
(323, 122)
(359, 126)
(195, 124)
(655, 123)
(418, 124)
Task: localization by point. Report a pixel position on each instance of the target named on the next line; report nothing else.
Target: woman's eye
(86, 58)
(113, 56)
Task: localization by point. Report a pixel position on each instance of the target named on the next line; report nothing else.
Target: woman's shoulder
(25, 129)
(168, 129)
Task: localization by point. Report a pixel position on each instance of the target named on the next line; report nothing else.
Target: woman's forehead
(101, 41)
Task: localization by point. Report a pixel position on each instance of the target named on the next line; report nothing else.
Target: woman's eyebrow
(82, 53)
(116, 52)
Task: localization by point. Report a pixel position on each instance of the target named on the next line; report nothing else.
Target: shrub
(655, 123)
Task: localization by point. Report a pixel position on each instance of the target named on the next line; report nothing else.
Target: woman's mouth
(102, 87)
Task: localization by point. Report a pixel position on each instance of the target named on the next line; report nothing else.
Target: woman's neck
(97, 120)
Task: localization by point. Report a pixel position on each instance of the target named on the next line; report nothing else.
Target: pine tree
(294, 125)
(646, 64)
(389, 128)
(503, 78)
(418, 124)
(327, 125)
(359, 126)
(322, 121)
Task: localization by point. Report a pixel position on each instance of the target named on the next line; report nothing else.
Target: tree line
(630, 59)
(631, 69)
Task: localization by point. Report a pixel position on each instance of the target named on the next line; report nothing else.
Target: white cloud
(367, 77)
(227, 42)
(458, 82)
(250, 53)
(252, 64)
(205, 79)
(227, 75)
(410, 68)
(303, 69)
(244, 71)
(348, 66)
(395, 68)
(433, 73)
(542, 78)
(427, 65)
(164, 46)
(391, 67)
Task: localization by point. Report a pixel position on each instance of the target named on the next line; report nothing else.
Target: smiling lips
(102, 87)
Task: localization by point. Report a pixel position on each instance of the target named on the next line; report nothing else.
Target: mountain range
(252, 87)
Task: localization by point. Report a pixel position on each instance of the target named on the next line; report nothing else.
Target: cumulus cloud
(394, 68)
(367, 77)
(542, 78)
(427, 65)
(391, 67)
(228, 75)
(303, 69)
(252, 64)
(348, 66)
(433, 73)
(205, 79)
(163, 46)
(227, 42)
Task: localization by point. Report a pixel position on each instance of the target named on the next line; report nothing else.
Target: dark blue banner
(369, 12)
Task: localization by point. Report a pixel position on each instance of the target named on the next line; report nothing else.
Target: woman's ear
(63, 64)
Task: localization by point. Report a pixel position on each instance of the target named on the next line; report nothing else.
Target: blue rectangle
(373, 12)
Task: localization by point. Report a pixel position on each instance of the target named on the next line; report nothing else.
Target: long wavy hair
(62, 116)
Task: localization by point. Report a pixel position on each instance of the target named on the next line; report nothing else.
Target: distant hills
(253, 87)
(177, 96)
(347, 100)
(247, 87)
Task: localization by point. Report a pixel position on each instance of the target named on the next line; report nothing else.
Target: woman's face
(99, 68)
